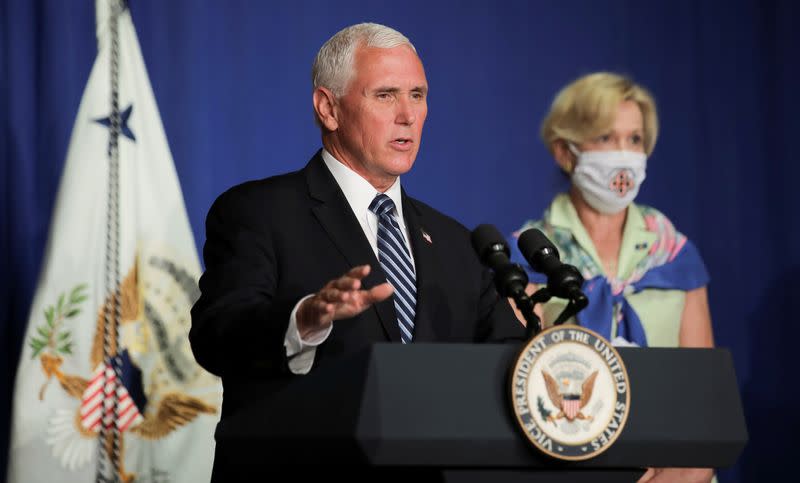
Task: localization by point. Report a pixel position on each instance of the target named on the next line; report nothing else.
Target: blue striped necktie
(396, 262)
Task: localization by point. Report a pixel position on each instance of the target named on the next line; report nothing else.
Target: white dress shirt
(359, 194)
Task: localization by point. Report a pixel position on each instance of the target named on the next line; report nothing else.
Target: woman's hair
(586, 108)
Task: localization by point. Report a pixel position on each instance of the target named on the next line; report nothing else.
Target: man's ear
(326, 108)
(564, 157)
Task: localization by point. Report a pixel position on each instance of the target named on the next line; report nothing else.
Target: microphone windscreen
(533, 244)
(486, 239)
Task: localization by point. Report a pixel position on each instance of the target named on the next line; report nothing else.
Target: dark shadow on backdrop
(770, 394)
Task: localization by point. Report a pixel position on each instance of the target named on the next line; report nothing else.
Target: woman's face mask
(609, 180)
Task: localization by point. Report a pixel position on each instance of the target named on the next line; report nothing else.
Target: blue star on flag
(123, 122)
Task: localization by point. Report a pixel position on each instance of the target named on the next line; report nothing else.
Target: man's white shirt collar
(357, 190)
(359, 194)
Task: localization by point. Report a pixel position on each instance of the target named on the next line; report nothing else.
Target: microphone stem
(577, 302)
(525, 305)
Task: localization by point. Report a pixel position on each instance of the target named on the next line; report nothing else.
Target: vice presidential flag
(107, 388)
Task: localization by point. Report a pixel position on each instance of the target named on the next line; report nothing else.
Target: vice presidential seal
(570, 392)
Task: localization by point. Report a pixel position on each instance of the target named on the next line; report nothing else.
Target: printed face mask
(609, 180)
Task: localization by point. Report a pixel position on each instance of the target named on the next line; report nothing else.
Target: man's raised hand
(341, 298)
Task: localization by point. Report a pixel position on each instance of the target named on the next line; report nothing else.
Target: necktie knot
(381, 205)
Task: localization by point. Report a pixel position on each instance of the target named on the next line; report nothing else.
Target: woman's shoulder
(657, 222)
(669, 243)
(529, 224)
(558, 224)
(545, 222)
(671, 258)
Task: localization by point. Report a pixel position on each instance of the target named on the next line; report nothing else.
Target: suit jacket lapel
(427, 272)
(341, 225)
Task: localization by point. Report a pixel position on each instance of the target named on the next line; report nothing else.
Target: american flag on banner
(101, 384)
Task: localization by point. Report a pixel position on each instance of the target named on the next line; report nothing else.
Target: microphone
(563, 280)
(509, 278)
(493, 252)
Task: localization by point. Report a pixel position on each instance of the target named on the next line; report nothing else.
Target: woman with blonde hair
(645, 281)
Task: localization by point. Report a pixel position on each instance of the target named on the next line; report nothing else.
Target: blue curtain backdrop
(232, 82)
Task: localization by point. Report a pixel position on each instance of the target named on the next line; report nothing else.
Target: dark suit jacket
(273, 241)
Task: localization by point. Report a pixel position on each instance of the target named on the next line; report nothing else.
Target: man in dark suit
(297, 265)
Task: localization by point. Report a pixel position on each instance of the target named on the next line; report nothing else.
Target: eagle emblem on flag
(172, 409)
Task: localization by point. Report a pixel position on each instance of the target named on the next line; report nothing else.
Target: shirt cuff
(301, 351)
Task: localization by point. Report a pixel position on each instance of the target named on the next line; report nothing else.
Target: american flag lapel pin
(426, 236)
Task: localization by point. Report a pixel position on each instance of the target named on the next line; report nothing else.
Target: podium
(441, 412)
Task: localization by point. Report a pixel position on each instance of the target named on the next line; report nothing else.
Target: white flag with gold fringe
(107, 388)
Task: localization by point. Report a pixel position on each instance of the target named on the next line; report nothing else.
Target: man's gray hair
(334, 65)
